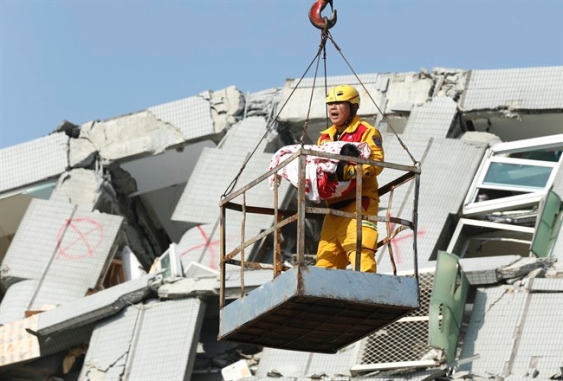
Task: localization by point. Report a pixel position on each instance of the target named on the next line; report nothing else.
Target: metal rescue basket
(306, 308)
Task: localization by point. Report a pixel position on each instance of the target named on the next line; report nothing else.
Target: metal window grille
(407, 338)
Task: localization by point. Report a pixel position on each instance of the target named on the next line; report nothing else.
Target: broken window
(501, 209)
(169, 264)
(514, 175)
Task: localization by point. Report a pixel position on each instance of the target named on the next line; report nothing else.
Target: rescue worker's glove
(345, 171)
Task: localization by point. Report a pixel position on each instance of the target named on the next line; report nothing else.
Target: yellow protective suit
(337, 242)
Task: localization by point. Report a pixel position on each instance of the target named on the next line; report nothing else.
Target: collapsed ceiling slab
(157, 340)
(68, 325)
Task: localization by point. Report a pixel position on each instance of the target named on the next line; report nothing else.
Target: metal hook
(315, 15)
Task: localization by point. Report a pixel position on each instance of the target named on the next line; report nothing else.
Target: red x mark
(86, 232)
(402, 235)
(209, 244)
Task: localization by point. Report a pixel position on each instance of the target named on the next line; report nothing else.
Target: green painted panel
(545, 233)
(447, 303)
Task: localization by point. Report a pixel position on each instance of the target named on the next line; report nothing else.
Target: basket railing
(236, 201)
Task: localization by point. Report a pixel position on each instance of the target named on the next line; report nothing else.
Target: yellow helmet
(343, 93)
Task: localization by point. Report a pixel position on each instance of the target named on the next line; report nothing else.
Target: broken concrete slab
(205, 116)
(94, 307)
(79, 186)
(226, 105)
(482, 271)
(82, 153)
(157, 341)
(128, 136)
(189, 287)
(59, 238)
(524, 266)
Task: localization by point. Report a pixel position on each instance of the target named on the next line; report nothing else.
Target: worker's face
(338, 112)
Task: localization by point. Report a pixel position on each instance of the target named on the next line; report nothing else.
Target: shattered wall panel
(62, 246)
(407, 89)
(545, 284)
(490, 332)
(294, 364)
(201, 245)
(67, 339)
(84, 248)
(166, 340)
(448, 167)
(19, 164)
(35, 243)
(539, 335)
(93, 307)
(213, 173)
(433, 119)
(191, 116)
(538, 88)
(140, 133)
(111, 346)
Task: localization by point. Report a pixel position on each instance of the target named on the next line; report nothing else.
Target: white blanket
(318, 185)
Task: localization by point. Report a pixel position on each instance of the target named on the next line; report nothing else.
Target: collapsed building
(110, 246)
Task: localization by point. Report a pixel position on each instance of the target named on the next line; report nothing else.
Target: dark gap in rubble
(146, 239)
(285, 135)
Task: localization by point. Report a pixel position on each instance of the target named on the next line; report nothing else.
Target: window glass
(518, 175)
(543, 155)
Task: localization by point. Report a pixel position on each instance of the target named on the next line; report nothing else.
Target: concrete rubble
(110, 243)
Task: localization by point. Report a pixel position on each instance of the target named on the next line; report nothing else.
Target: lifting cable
(324, 24)
(274, 119)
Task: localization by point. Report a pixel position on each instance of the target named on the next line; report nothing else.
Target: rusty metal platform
(317, 310)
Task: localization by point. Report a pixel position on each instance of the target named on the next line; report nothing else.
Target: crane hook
(315, 15)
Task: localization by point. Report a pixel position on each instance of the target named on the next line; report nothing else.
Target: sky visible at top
(81, 60)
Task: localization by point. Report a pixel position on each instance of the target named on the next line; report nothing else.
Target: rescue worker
(337, 242)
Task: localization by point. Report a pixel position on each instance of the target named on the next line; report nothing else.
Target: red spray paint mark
(401, 236)
(82, 235)
(211, 245)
